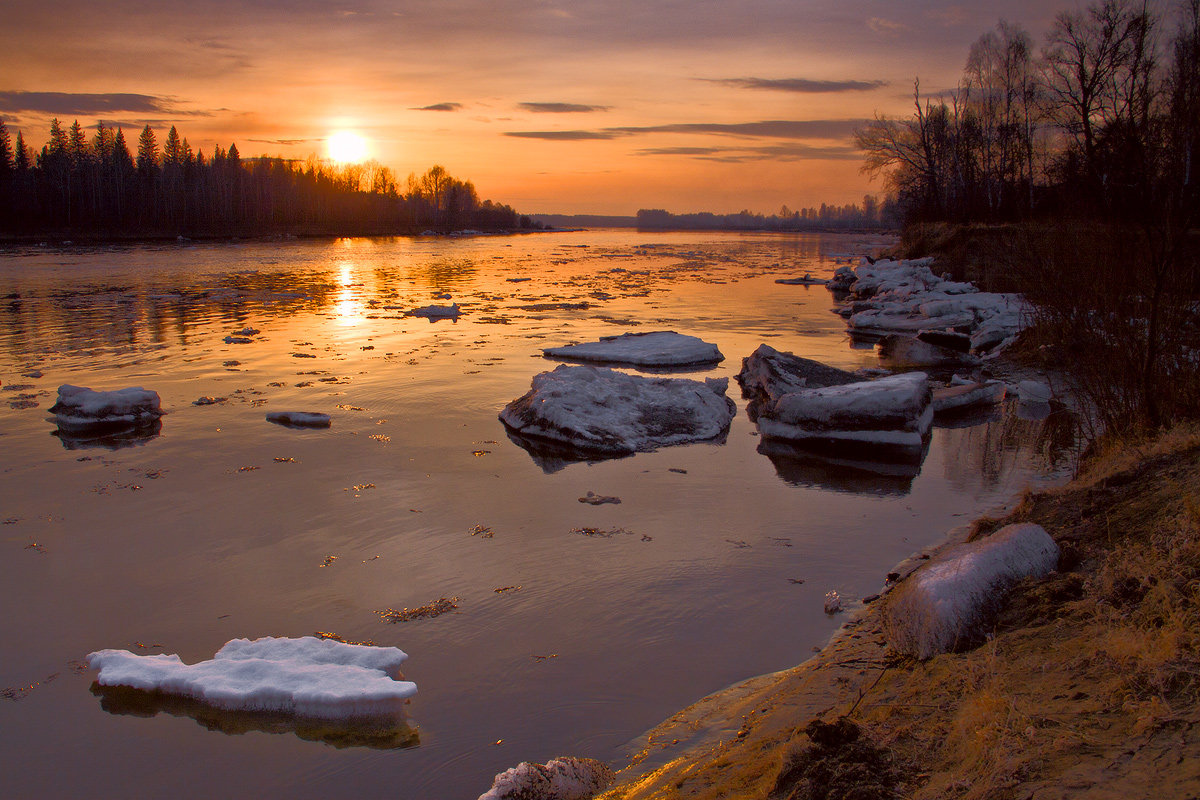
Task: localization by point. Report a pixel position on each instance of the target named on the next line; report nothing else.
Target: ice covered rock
(79, 407)
(967, 395)
(562, 778)
(599, 410)
(649, 349)
(300, 419)
(768, 374)
(894, 411)
(435, 312)
(947, 603)
(307, 677)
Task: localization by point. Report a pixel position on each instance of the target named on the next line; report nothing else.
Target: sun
(347, 147)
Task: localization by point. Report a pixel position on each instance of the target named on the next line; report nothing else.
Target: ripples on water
(219, 524)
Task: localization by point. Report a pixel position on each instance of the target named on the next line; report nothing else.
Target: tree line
(871, 215)
(95, 186)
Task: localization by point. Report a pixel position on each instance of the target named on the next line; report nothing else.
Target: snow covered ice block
(770, 374)
(307, 677)
(435, 312)
(602, 411)
(894, 411)
(81, 407)
(300, 419)
(970, 395)
(562, 778)
(649, 349)
(948, 602)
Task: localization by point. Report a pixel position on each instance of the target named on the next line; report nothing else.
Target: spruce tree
(6, 155)
(23, 160)
(172, 150)
(77, 146)
(57, 145)
(122, 161)
(147, 157)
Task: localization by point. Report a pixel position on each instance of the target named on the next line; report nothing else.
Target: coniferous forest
(105, 187)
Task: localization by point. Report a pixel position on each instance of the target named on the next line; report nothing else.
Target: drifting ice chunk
(563, 778)
(598, 410)
(650, 349)
(302, 419)
(807, 280)
(960, 396)
(947, 603)
(79, 407)
(843, 278)
(891, 411)
(307, 677)
(435, 312)
(238, 340)
(769, 374)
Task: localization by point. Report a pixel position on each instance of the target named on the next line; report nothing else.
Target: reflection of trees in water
(984, 454)
(386, 733)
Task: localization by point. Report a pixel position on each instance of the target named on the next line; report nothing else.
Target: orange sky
(593, 106)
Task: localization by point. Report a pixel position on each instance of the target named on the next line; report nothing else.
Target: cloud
(782, 152)
(72, 103)
(769, 129)
(561, 108)
(801, 85)
(439, 107)
(285, 142)
(885, 26)
(563, 136)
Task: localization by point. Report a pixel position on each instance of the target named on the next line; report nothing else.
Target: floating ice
(308, 677)
(302, 419)
(807, 280)
(894, 411)
(769, 374)
(435, 312)
(79, 407)
(599, 410)
(967, 395)
(649, 349)
(563, 778)
(947, 603)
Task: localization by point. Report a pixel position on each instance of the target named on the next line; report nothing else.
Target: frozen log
(307, 677)
(300, 419)
(948, 603)
(893, 411)
(649, 349)
(599, 410)
(80, 407)
(563, 778)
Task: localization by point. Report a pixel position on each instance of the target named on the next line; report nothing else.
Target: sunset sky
(593, 106)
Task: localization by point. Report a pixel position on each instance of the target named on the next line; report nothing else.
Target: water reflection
(107, 437)
(378, 734)
(985, 454)
(843, 469)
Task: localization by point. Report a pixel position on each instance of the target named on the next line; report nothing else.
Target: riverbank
(1089, 687)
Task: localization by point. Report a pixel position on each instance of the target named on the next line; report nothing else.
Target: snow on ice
(968, 395)
(81, 407)
(435, 312)
(599, 410)
(563, 778)
(308, 677)
(301, 419)
(768, 374)
(649, 349)
(948, 602)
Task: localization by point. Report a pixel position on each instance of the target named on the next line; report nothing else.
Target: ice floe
(308, 677)
(79, 407)
(649, 349)
(805, 280)
(893, 412)
(300, 419)
(907, 297)
(958, 397)
(605, 412)
(562, 778)
(947, 603)
(435, 312)
(768, 374)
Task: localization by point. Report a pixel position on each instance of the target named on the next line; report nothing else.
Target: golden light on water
(347, 147)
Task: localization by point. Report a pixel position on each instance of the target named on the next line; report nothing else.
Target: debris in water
(328, 560)
(796, 581)
(281, 460)
(247, 469)
(438, 607)
(503, 589)
(35, 546)
(598, 499)
(336, 638)
(547, 657)
(680, 471)
(482, 531)
(600, 533)
(738, 543)
(382, 438)
(833, 602)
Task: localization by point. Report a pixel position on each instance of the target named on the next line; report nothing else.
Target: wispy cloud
(886, 26)
(561, 108)
(770, 129)
(563, 136)
(783, 152)
(69, 103)
(286, 142)
(439, 107)
(800, 85)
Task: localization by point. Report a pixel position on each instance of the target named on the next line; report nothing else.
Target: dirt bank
(1088, 688)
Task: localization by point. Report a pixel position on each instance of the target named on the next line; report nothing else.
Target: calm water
(218, 527)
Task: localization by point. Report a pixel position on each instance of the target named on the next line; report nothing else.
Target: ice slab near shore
(562, 778)
(307, 677)
(599, 410)
(769, 374)
(649, 349)
(81, 407)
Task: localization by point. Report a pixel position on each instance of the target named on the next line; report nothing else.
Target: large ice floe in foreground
(649, 349)
(599, 411)
(892, 413)
(768, 374)
(907, 297)
(948, 603)
(79, 407)
(562, 778)
(306, 677)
